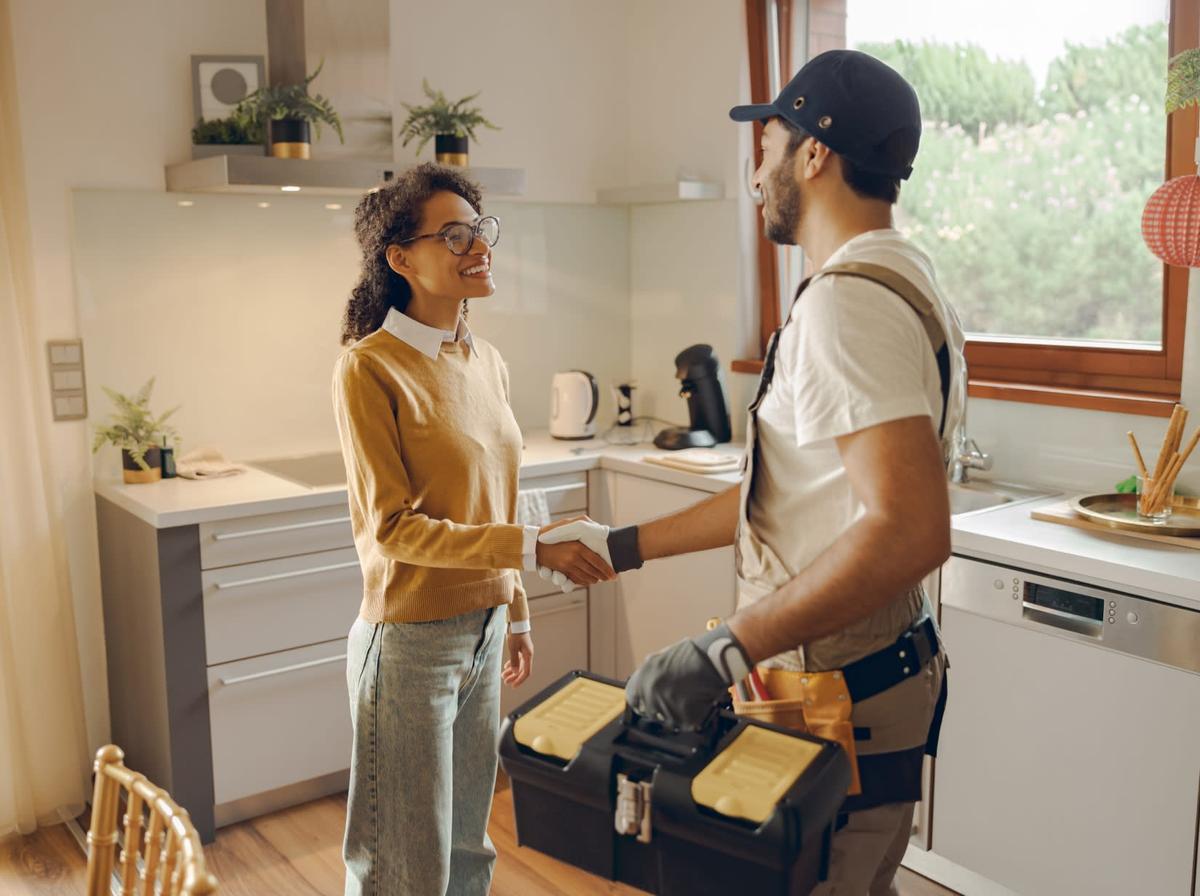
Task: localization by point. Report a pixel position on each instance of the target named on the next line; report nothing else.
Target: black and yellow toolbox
(739, 807)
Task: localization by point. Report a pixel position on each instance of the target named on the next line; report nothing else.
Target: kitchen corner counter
(181, 502)
(1008, 535)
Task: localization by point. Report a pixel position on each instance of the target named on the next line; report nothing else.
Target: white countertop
(1008, 535)
(183, 502)
(1004, 534)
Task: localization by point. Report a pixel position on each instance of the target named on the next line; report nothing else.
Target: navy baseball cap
(856, 105)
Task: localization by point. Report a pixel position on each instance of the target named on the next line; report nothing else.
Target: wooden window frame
(1113, 377)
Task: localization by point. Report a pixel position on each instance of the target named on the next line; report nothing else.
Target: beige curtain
(43, 744)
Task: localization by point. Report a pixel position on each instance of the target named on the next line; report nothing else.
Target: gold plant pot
(451, 149)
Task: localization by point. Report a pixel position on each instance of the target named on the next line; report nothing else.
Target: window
(1044, 136)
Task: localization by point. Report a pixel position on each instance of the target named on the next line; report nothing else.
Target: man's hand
(679, 685)
(591, 534)
(571, 558)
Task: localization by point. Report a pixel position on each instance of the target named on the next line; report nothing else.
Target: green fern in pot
(451, 125)
(287, 111)
(135, 429)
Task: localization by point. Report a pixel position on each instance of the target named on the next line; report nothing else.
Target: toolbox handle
(641, 731)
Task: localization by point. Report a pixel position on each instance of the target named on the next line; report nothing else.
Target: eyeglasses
(460, 237)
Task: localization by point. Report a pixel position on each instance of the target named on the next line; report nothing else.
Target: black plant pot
(133, 473)
(291, 138)
(451, 149)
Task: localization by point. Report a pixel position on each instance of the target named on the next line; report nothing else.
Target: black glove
(679, 685)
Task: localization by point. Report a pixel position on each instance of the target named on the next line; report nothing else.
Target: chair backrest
(156, 830)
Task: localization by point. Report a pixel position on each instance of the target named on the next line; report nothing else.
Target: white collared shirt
(428, 341)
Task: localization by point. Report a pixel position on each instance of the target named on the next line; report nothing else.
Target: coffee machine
(697, 368)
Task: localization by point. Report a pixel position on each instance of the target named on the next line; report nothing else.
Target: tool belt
(822, 703)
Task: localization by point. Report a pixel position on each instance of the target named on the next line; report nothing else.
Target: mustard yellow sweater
(432, 456)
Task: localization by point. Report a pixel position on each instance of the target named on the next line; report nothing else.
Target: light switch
(67, 391)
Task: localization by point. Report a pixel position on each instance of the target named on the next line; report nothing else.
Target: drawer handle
(270, 530)
(296, 668)
(555, 489)
(535, 613)
(257, 580)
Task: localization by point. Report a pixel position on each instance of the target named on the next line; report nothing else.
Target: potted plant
(237, 134)
(1183, 80)
(136, 431)
(286, 112)
(449, 124)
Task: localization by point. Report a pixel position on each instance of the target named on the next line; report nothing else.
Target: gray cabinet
(225, 645)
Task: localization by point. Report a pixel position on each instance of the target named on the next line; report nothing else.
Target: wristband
(623, 548)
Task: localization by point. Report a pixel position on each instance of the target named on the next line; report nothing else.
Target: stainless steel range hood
(321, 177)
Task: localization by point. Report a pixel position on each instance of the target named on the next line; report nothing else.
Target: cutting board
(1063, 515)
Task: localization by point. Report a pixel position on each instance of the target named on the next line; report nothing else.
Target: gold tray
(1120, 512)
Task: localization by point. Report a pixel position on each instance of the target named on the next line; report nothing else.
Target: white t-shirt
(853, 355)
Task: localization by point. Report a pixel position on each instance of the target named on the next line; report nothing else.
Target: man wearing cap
(843, 509)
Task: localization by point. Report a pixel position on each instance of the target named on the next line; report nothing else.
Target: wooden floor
(297, 852)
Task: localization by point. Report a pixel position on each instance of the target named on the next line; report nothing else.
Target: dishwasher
(1070, 754)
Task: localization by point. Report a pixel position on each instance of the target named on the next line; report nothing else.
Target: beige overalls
(885, 734)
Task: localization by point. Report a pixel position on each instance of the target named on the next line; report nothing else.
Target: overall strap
(918, 301)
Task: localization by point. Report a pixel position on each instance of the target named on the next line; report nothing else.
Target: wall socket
(68, 397)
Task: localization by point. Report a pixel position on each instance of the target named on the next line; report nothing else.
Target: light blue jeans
(425, 704)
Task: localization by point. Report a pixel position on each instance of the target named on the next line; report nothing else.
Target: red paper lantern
(1171, 222)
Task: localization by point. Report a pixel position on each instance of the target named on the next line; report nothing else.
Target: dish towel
(532, 508)
(696, 460)
(206, 463)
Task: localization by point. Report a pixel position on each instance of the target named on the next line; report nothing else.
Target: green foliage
(1127, 486)
(1032, 214)
(961, 84)
(276, 102)
(133, 426)
(441, 117)
(1183, 81)
(1130, 64)
(232, 131)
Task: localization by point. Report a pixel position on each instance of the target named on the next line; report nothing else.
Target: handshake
(583, 552)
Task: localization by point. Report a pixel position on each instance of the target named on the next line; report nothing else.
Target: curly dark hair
(385, 216)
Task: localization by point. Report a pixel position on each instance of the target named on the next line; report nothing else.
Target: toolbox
(738, 807)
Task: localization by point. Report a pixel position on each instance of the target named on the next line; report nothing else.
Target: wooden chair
(172, 859)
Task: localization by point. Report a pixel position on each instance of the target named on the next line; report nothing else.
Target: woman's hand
(520, 659)
(580, 564)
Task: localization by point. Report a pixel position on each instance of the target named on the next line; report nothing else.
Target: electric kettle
(574, 398)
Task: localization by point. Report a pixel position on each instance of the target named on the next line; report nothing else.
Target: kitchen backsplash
(234, 304)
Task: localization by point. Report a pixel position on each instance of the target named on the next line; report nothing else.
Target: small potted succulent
(136, 431)
(286, 112)
(235, 135)
(449, 125)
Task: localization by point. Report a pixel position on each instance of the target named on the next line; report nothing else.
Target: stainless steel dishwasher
(1070, 755)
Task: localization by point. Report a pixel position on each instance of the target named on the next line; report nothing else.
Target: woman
(432, 453)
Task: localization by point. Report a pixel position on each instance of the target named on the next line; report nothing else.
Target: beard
(782, 219)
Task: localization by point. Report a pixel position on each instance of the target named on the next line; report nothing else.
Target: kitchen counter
(1003, 534)
(1008, 535)
(182, 502)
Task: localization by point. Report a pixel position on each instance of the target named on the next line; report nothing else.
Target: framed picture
(220, 82)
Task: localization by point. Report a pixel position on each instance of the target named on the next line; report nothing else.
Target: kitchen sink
(966, 497)
(310, 470)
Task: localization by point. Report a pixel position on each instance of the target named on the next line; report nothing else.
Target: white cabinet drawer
(272, 535)
(278, 719)
(560, 644)
(565, 493)
(274, 605)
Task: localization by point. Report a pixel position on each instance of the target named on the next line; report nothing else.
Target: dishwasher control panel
(1126, 623)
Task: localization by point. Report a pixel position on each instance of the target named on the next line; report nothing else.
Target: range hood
(321, 177)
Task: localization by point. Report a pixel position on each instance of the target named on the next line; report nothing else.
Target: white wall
(552, 76)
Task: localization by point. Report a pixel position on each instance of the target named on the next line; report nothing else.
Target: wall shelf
(253, 174)
(676, 191)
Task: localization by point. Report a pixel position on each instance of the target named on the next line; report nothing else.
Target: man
(844, 508)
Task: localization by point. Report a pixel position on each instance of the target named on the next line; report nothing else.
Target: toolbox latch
(633, 808)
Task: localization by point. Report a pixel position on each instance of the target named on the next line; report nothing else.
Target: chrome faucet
(967, 456)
